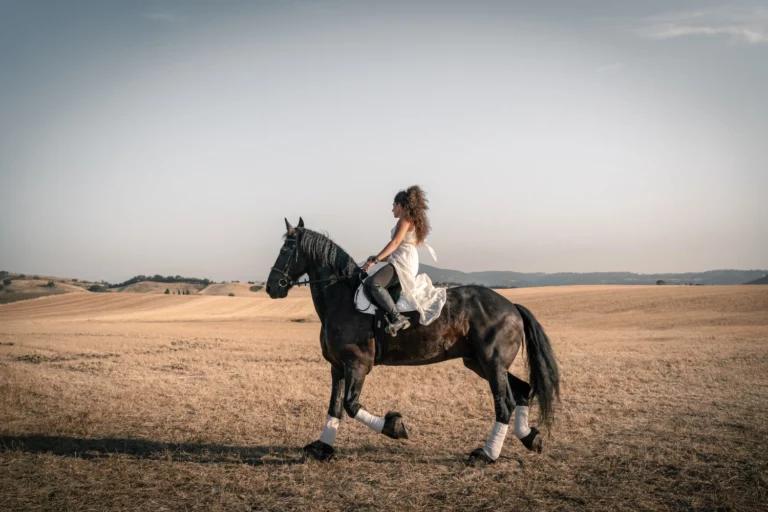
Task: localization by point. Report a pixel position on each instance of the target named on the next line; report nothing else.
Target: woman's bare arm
(403, 225)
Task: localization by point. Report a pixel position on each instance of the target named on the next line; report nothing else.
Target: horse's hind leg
(496, 374)
(521, 391)
(474, 365)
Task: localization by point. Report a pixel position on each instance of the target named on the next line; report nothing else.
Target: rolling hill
(526, 280)
(239, 289)
(37, 286)
(154, 287)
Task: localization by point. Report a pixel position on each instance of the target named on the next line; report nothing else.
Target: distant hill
(504, 278)
(33, 287)
(153, 287)
(239, 289)
(157, 278)
(762, 280)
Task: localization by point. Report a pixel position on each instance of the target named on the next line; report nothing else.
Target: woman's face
(397, 210)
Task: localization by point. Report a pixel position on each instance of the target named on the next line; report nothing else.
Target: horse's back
(493, 322)
(481, 297)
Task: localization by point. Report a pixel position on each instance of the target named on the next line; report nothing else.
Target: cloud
(739, 24)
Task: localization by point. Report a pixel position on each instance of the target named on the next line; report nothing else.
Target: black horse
(476, 324)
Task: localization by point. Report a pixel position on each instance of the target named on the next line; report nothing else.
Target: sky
(170, 137)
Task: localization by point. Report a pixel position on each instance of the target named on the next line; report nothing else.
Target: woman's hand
(372, 260)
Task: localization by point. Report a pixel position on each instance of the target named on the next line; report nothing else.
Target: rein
(331, 280)
(287, 281)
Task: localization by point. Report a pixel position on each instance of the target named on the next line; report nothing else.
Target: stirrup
(397, 324)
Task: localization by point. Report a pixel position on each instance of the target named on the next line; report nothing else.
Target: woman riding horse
(475, 324)
(410, 207)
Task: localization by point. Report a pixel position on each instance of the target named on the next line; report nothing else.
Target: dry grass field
(163, 402)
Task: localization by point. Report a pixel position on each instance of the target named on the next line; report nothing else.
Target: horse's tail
(543, 373)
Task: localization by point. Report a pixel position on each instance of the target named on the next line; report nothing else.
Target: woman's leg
(377, 285)
(386, 276)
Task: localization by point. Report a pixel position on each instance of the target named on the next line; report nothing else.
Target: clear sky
(170, 137)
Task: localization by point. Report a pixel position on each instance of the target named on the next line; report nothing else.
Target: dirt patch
(190, 345)
(91, 367)
(174, 368)
(37, 359)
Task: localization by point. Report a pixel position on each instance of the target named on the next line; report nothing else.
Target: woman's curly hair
(414, 204)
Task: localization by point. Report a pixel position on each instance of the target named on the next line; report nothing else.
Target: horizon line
(764, 270)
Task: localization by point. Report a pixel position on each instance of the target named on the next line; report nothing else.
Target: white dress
(418, 292)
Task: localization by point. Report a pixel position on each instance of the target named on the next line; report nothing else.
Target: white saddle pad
(364, 305)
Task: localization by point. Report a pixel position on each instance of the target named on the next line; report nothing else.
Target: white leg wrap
(521, 421)
(329, 430)
(374, 422)
(493, 447)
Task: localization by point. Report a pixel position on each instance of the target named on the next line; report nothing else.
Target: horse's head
(290, 264)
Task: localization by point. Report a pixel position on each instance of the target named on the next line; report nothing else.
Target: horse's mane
(325, 252)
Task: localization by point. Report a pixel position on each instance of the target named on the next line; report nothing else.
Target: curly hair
(414, 203)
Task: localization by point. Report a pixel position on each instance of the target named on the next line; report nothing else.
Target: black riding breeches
(385, 277)
(377, 284)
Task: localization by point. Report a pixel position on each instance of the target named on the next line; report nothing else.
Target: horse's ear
(289, 229)
(301, 223)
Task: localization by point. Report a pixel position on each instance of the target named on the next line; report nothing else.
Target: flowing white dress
(418, 292)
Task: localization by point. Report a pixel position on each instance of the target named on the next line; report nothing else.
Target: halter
(287, 281)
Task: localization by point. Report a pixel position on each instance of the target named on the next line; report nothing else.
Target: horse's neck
(322, 292)
(318, 297)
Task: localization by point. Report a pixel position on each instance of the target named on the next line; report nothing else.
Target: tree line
(157, 278)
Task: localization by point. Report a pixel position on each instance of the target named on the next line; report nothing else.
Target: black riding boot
(395, 319)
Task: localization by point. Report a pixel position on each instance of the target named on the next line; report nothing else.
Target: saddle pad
(364, 305)
(384, 342)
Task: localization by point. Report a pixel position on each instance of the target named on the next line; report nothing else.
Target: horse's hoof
(317, 451)
(533, 441)
(479, 458)
(394, 426)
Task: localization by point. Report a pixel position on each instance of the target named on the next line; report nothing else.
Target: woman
(410, 207)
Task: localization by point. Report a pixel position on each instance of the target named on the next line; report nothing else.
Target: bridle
(287, 281)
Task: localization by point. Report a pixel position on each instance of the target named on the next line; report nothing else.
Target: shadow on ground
(200, 453)
(141, 448)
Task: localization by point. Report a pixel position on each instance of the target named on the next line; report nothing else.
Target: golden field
(169, 402)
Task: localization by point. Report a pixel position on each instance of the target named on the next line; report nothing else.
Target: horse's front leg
(322, 449)
(391, 425)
